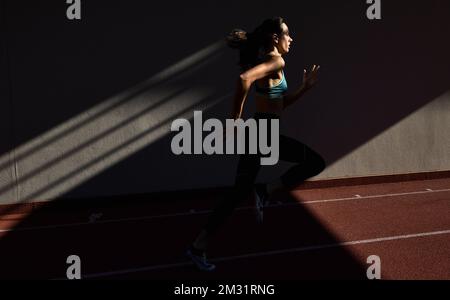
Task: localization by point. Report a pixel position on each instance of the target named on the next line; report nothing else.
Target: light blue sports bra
(275, 92)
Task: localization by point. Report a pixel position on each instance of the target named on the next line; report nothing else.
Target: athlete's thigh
(292, 150)
(248, 167)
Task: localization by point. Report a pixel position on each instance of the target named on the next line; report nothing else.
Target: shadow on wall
(372, 77)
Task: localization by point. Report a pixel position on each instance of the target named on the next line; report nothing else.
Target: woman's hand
(311, 78)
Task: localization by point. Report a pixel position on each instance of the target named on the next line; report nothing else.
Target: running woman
(262, 63)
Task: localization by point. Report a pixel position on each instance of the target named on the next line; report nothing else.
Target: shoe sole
(259, 208)
(193, 258)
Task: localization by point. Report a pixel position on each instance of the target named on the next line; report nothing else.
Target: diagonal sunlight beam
(118, 153)
(109, 132)
(39, 168)
(184, 67)
(85, 160)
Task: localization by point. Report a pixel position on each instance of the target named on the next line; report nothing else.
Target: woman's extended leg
(247, 170)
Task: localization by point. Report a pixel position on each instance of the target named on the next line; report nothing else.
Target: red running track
(325, 233)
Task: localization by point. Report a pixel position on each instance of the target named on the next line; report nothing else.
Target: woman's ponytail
(251, 45)
(236, 39)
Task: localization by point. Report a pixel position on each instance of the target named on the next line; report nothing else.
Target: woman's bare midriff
(264, 104)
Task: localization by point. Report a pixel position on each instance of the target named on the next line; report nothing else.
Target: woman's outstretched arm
(309, 80)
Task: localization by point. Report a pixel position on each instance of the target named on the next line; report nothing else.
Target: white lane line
(190, 213)
(374, 196)
(269, 253)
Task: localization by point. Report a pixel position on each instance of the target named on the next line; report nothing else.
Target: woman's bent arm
(309, 80)
(247, 78)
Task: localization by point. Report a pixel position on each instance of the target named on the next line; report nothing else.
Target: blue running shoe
(261, 200)
(200, 261)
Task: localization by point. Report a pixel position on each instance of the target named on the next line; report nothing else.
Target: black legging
(309, 164)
